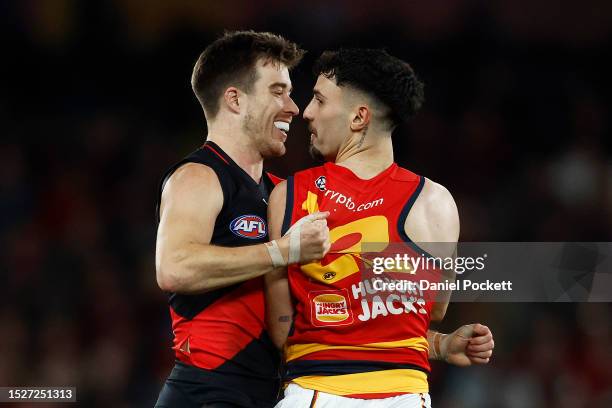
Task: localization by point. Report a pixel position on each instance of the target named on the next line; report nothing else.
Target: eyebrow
(281, 85)
(319, 94)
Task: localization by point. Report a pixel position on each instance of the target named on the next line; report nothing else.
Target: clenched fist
(314, 237)
(469, 344)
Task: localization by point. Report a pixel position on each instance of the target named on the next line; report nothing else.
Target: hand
(307, 239)
(469, 344)
(314, 237)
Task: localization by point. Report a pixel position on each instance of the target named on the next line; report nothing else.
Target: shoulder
(192, 176)
(436, 200)
(311, 172)
(193, 184)
(434, 216)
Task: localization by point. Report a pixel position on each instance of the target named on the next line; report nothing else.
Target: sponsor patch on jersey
(320, 183)
(248, 226)
(330, 308)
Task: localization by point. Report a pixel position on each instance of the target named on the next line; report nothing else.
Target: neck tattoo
(363, 135)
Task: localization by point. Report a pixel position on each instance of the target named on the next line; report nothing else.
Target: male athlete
(351, 346)
(210, 251)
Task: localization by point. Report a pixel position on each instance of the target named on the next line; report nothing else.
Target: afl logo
(248, 226)
(320, 183)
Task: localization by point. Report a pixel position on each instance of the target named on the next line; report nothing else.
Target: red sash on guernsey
(349, 339)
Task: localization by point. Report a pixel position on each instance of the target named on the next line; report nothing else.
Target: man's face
(328, 119)
(269, 109)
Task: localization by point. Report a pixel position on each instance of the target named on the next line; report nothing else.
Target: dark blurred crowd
(95, 104)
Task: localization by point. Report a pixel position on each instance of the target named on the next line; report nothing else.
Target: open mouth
(313, 132)
(282, 126)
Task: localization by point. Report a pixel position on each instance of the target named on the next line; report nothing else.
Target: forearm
(198, 268)
(279, 310)
(435, 342)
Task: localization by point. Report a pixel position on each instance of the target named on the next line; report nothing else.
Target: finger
(320, 224)
(481, 339)
(478, 360)
(481, 354)
(480, 347)
(299, 224)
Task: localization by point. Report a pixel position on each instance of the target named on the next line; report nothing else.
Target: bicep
(433, 224)
(191, 201)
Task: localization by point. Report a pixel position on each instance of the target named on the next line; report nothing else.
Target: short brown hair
(230, 60)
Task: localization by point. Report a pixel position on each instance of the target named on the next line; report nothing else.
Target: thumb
(465, 331)
(480, 329)
(308, 218)
(321, 215)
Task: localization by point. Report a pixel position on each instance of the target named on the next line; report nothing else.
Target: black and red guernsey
(220, 341)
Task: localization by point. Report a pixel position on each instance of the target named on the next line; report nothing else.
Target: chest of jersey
(366, 220)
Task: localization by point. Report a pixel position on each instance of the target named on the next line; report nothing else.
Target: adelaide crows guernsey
(347, 338)
(221, 333)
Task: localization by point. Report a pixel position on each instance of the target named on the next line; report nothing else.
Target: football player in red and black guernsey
(210, 253)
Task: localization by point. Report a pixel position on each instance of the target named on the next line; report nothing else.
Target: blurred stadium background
(95, 104)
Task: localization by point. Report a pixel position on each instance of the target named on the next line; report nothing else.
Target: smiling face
(328, 119)
(269, 109)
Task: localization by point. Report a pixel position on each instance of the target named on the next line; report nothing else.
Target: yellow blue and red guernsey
(348, 338)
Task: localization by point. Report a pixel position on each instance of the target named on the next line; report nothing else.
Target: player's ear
(361, 118)
(231, 98)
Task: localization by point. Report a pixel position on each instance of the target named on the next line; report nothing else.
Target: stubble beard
(255, 128)
(315, 153)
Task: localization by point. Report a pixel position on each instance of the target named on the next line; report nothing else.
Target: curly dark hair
(230, 60)
(380, 75)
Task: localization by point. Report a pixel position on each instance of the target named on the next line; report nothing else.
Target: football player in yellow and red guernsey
(346, 347)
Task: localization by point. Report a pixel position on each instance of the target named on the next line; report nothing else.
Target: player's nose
(308, 113)
(291, 107)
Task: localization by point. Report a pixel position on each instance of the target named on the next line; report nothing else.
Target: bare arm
(185, 260)
(433, 223)
(279, 310)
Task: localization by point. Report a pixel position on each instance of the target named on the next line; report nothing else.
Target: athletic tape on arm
(294, 244)
(294, 238)
(275, 254)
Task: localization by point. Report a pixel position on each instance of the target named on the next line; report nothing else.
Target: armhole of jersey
(173, 169)
(162, 185)
(404, 215)
(274, 179)
(288, 206)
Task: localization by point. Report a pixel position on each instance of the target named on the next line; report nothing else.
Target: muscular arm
(433, 223)
(185, 260)
(279, 310)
